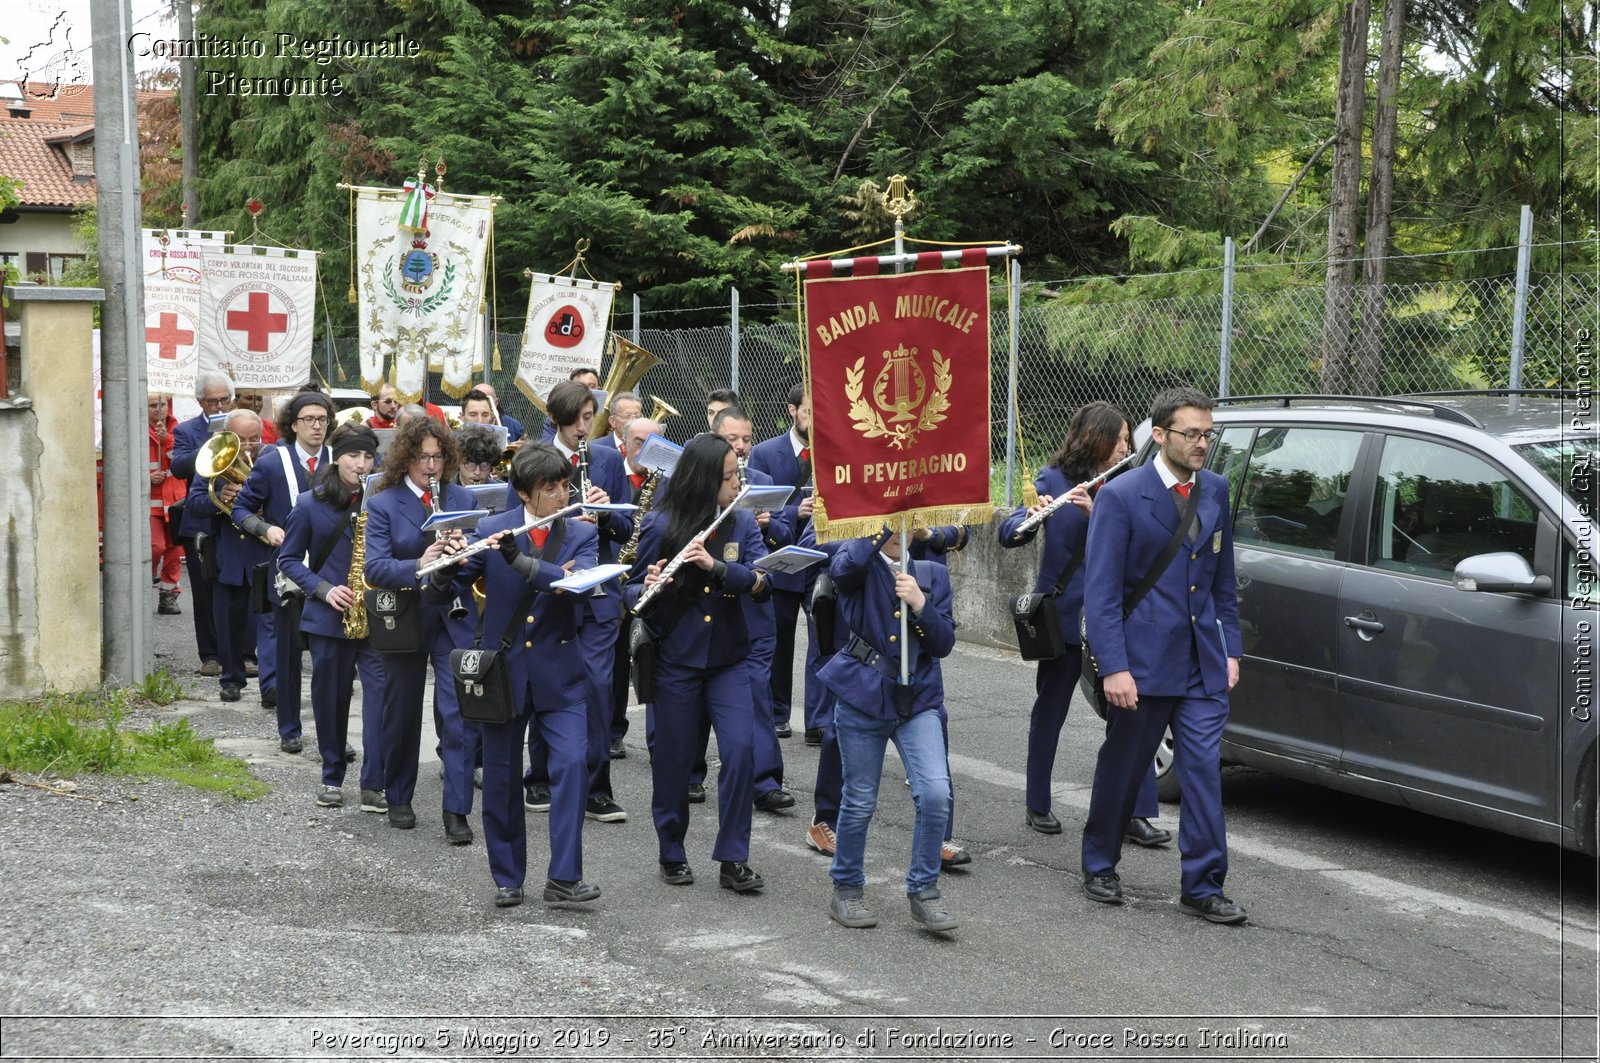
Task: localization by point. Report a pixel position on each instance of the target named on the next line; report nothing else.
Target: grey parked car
(1417, 598)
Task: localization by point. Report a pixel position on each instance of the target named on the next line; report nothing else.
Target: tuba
(628, 366)
(223, 457)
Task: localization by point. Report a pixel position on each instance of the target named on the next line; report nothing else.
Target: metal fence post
(1519, 311)
(1226, 359)
(1012, 427)
(733, 349)
(636, 332)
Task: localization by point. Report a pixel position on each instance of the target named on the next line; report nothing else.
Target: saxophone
(647, 494)
(355, 617)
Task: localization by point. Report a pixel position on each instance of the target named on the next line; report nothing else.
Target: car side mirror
(1500, 572)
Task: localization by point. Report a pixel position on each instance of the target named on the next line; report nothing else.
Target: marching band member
(318, 547)
(214, 392)
(936, 545)
(423, 453)
(719, 400)
(540, 625)
(703, 640)
(734, 426)
(572, 408)
(262, 509)
(235, 627)
(635, 433)
(513, 427)
(1097, 438)
(589, 378)
(480, 453)
(871, 708)
(787, 459)
(624, 406)
(822, 834)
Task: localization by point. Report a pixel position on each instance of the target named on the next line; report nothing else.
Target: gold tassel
(1030, 495)
(497, 356)
(343, 376)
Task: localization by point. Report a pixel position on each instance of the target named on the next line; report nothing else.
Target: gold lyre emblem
(900, 390)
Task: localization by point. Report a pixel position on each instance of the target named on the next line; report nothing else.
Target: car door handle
(1363, 624)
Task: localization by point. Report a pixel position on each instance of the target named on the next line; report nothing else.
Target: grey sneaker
(373, 801)
(850, 909)
(925, 910)
(330, 797)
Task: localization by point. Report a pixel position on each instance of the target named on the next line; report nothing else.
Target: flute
(486, 544)
(1056, 503)
(677, 562)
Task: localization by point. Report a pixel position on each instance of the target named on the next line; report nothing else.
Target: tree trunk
(1344, 198)
(1380, 198)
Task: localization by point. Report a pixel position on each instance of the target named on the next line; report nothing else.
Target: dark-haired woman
(423, 457)
(317, 545)
(1098, 437)
(700, 625)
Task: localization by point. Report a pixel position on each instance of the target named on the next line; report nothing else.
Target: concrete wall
(50, 633)
(983, 576)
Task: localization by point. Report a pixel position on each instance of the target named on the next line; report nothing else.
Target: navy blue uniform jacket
(703, 626)
(1064, 536)
(776, 458)
(396, 541)
(311, 527)
(1192, 612)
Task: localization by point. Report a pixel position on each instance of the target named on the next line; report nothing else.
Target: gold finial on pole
(439, 169)
(898, 199)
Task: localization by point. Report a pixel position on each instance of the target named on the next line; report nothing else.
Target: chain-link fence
(1078, 341)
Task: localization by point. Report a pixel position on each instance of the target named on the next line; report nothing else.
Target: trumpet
(676, 563)
(1056, 503)
(223, 457)
(661, 409)
(450, 560)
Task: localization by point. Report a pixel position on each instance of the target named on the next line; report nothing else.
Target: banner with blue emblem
(422, 259)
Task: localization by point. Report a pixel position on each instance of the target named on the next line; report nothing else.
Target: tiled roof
(35, 149)
(27, 154)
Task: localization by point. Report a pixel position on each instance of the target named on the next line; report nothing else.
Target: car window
(1293, 489)
(1228, 456)
(1435, 505)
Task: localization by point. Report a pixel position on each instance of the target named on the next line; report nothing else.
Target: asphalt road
(143, 920)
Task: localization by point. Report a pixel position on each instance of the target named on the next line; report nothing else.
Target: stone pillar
(50, 629)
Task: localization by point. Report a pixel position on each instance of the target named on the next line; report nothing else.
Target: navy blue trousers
(786, 605)
(768, 752)
(201, 597)
(1131, 740)
(230, 614)
(818, 698)
(597, 642)
(564, 732)
(405, 675)
(1055, 682)
(683, 695)
(333, 668)
(287, 660)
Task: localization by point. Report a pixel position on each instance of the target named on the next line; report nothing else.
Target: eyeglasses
(477, 465)
(430, 459)
(1194, 435)
(312, 422)
(215, 402)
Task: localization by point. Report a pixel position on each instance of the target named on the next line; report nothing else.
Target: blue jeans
(920, 742)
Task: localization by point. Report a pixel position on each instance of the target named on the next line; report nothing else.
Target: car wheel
(1166, 779)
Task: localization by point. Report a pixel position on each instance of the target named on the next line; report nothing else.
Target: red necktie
(355, 496)
(537, 537)
(805, 453)
(636, 479)
(574, 461)
(311, 465)
(427, 501)
(1183, 489)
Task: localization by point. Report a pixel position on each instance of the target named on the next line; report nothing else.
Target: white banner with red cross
(256, 313)
(171, 260)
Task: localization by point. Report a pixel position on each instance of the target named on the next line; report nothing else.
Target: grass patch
(70, 735)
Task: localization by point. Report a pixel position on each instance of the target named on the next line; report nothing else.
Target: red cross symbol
(258, 322)
(169, 336)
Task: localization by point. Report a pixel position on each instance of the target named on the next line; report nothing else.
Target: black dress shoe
(784, 730)
(508, 896)
(739, 877)
(230, 692)
(349, 753)
(269, 699)
(457, 831)
(774, 800)
(291, 745)
(1215, 908)
(1107, 889)
(401, 817)
(558, 892)
(618, 750)
(1141, 832)
(677, 874)
(1043, 822)
(697, 793)
(813, 736)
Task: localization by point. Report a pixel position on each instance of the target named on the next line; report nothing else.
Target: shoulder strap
(1191, 510)
(289, 476)
(550, 551)
(324, 549)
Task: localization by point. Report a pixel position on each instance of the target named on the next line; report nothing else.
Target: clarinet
(744, 479)
(583, 471)
(1056, 503)
(458, 607)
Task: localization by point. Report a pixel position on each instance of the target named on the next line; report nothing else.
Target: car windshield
(1571, 464)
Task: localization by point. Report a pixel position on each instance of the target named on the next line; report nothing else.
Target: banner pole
(905, 521)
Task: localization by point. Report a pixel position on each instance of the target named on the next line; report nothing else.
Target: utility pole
(189, 133)
(126, 602)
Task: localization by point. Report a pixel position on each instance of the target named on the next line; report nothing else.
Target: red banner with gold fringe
(900, 399)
